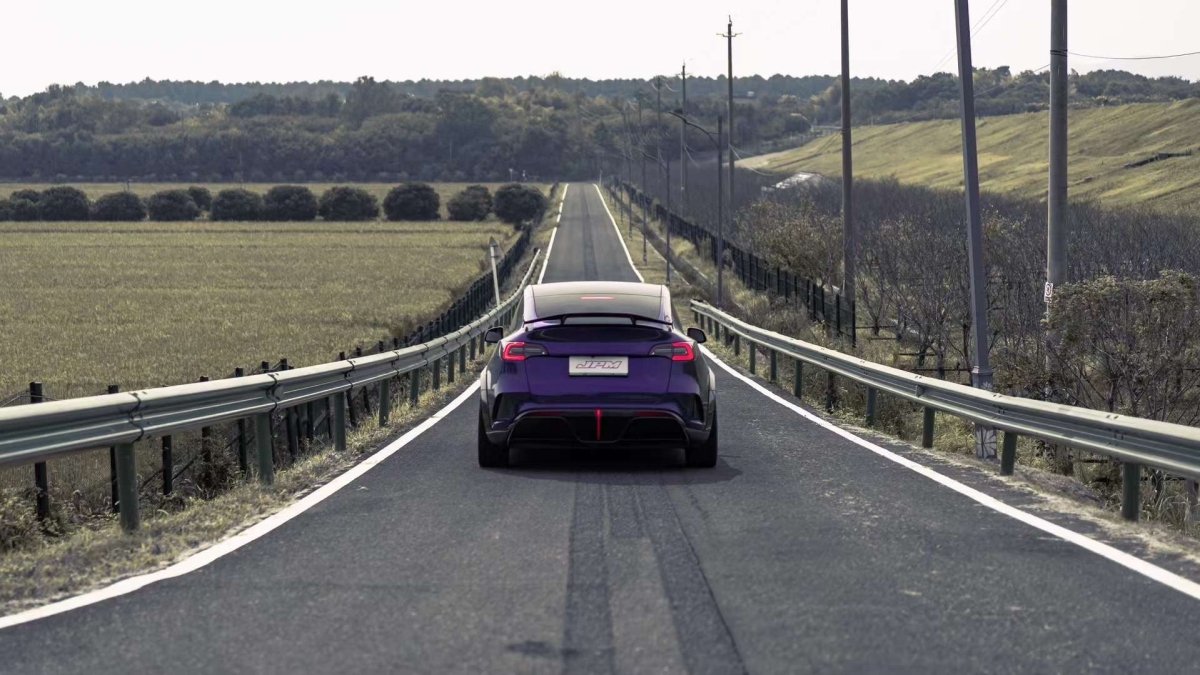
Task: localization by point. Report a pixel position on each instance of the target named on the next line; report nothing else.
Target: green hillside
(1013, 154)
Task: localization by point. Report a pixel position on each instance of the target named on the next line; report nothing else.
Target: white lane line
(549, 250)
(1149, 570)
(553, 234)
(619, 237)
(233, 543)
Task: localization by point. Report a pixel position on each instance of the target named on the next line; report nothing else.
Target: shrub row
(513, 203)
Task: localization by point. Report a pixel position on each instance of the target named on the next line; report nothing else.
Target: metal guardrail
(1135, 441)
(35, 433)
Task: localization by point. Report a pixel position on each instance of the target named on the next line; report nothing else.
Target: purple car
(598, 364)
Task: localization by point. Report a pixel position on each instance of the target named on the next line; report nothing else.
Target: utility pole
(645, 189)
(1056, 225)
(849, 229)
(729, 35)
(720, 224)
(683, 165)
(981, 371)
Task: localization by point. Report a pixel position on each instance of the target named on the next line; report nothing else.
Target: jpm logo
(599, 365)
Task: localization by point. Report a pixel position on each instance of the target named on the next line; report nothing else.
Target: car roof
(649, 301)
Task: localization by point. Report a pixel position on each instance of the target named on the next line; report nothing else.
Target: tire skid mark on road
(704, 638)
(587, 627)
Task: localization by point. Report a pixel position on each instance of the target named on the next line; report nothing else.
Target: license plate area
(598, 366)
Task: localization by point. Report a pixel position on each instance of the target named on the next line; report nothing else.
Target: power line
(1133, 58)
(988, 14)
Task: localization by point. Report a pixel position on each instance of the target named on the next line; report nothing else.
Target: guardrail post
(927, 428)
(774, 365)
(339, 421)
(437, 373)
(737, 344)
(114, 487)
(450, 368)
(753, 357)
(41, 473)
(798, 380)
(242, 447)
(1131, 494)
(472, 350)
(346, 402)
(1008, 453)
(266, 448)
(462, 361)
(830, 391)
(385, 400)
(127, 487)
(872, 405)
(414, 386)
(310, 423)
(168, 465)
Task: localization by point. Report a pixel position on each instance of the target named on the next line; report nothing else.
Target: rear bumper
(599, 426)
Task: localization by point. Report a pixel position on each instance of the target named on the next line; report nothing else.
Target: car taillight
(519, 351)
(678, 351)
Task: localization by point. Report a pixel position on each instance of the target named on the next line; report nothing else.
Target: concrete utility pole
(1056, 225)
(720, 224)
(683, 164)
(729, 35)
(981, 372)
(849, 229)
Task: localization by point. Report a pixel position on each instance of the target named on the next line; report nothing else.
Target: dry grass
(145, 304)
(39, 567)
(1013, 156)
(1094, 490)
(380, 190)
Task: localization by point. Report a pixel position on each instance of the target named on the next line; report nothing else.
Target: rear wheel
(491, 455)
(704, 455)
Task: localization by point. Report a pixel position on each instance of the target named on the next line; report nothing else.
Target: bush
(412, 201)
(237, 204)
(122, 206)
(348, 203)
(172, 205)
(290, 202)
(22, 210)
(63, 203)
(201, 196)
(516, 203)
(473, 203)
(26, 194)
(5, 210)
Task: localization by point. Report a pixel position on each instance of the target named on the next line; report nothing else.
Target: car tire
(704, 455)
(491, 455)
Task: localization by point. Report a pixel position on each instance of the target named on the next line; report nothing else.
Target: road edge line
(553, 233)
(620, 237)
(1107, 551)
(234, 542)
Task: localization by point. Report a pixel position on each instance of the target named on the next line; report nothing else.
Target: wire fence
(825, 306)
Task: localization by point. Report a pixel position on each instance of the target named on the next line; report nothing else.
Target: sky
(275, 41)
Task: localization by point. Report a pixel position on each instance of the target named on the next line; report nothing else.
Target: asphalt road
(799, 552)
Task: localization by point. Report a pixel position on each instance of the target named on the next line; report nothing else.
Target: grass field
(1013, 154)
(84, 305)
(380, 190)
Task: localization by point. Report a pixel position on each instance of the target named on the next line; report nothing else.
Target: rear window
(647, 306)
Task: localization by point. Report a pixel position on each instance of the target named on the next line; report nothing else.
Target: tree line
(514, 203)
(492, 129)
